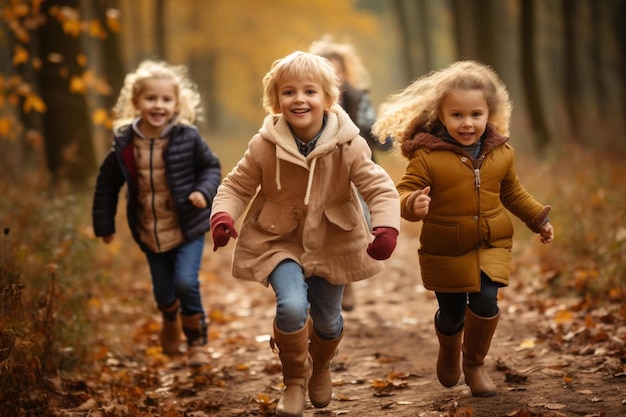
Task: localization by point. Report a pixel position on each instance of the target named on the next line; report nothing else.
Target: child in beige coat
(305, 233)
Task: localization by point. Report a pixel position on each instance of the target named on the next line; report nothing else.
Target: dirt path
(386, 364)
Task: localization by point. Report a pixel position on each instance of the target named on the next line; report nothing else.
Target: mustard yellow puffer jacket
(467, 228)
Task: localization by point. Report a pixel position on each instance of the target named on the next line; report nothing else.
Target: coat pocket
(448, 239)
(344, 216)
(500, 230)
(276, 219)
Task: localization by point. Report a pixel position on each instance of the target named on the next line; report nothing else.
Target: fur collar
(426, 140)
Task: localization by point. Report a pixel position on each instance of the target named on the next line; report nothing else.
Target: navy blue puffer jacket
(190, 166)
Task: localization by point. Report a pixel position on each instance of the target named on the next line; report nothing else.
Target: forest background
(63, 62)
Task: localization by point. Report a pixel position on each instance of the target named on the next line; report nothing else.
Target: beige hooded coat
(306, 208)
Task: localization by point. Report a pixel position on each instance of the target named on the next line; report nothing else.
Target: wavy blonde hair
(416, 108)
(355, 72)
(302, 65)
(190, 110)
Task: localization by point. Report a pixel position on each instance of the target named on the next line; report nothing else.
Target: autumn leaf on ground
(391, 382)
(267, 405)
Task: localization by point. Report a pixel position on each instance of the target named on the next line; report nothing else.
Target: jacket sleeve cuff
(538, 221)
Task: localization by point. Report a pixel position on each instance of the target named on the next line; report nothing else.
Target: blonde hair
(299, 65)
(416, 108)
(355, 72)
(189, 102)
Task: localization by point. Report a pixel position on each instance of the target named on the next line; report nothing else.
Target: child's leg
(326, 333)
(480, 324)
(291, 336)
(449, 329)
(162, 273)
(187, 267)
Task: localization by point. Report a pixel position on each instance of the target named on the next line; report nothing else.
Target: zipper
(477, 164)
(154, 214)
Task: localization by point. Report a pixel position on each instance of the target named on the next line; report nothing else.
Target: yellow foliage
(113, 21)
(5, 126)
(20, 55)
(72, 27)
(21, 34)
(36, 63)
(96, 30)
(241, 46)
(82, 60)
(78, 85)
(100, 117)
(34, 102)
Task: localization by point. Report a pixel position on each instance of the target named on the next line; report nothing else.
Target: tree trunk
(159, 30)
(529, 76)
(570, 69)
(66, 127)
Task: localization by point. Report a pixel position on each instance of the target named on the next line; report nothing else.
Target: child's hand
(108, 239)
(546, 233)
(421, 201)
(222, 229)
(197, 199)
(384, 243)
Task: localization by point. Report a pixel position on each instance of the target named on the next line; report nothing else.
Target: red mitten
(384, 243)
(222, 229)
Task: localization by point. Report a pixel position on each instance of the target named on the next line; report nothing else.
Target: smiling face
(465, 114)
(302, 102)
(157, 102)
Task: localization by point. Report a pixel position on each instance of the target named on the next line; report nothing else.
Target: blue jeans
(175, 276)
(295, 294)
(451, 314)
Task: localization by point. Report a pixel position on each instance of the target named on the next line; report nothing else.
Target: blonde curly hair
(355, 72)
(303, 65)
(416, 108)
(190, 110)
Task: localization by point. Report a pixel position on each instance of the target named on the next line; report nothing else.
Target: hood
(339, 130)
(427, 140)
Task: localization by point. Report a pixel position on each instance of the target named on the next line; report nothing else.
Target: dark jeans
(175, 276)
(451, 314)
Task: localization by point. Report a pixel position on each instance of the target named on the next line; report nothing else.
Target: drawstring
(278, 184)
(309, 183)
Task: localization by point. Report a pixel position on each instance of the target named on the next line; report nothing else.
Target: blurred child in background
(354, 97)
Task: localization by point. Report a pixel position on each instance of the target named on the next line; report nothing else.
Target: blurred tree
(569, 59)
(529, 75)
(61, 61)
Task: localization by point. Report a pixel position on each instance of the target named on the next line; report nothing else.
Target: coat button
(464, 159)
(298, 214)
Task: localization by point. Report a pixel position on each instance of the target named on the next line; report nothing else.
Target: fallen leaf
(553, 406)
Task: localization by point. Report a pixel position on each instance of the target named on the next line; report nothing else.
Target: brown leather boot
(293, 350)
(449, 357)
(195, 329)
(349, 300)
(170, 329)
(476, 342)
(321, 384)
